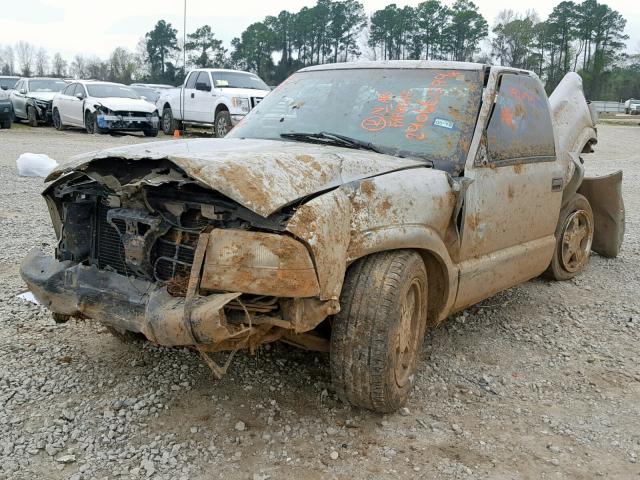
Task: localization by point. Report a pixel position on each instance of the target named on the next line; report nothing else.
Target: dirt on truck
(348, 226)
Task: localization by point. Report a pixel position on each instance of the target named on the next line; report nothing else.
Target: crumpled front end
(43, 109)
(144, 248)
(122, 121)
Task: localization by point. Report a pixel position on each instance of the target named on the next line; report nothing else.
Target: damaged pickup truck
(356, 206)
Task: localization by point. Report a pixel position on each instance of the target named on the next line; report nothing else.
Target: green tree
(209, 51)
(430, 18)
(160, 42)
(514, 42)
(467, 28)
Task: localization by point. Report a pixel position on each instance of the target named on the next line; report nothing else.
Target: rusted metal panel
(262, 175)
(258, 263)
(324, 224)
(485, 276)
(574, 122)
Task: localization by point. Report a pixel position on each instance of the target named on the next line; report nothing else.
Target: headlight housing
(241, 103)
(258, 263)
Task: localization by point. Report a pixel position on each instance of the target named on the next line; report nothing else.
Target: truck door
(189, 97)
(204, 99)
(512, 206)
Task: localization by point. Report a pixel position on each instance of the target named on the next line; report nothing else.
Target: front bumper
(130, 304)
(131, 122)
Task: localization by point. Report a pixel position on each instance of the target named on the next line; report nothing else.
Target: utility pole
(184, 40)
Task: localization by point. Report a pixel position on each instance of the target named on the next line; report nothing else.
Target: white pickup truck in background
(211, 97)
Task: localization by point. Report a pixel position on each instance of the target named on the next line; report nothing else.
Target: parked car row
(214, 98)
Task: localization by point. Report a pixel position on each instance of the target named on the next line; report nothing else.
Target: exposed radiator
(109, 251)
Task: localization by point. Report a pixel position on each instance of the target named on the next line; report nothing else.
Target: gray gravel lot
(541, 381)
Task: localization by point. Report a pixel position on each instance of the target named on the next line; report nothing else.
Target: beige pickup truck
(352, 209)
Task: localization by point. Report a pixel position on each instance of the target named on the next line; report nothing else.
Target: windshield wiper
(327, 138)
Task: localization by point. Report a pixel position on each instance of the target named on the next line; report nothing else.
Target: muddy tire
(574, 236)
(222, 124)
(60, 317)
(150, 133)
(6, 123)
(169, 124)
(377, 336)
(32, 117)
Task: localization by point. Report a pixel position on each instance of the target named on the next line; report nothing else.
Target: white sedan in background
(103, 107)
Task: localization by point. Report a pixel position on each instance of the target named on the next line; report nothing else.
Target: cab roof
(399, 64)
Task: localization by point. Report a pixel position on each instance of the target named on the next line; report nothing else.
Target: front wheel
(222, 123)
(32, 117)
(151, 132)
(57, 121)
(574, 236)
(169, 124)
(89, 122)
(377, 336)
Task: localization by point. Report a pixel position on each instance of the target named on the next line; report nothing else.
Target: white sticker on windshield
(441, 122)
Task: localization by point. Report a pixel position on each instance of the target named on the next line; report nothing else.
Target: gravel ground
(541, 381)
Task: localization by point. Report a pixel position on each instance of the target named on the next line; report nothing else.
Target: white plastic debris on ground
(28, 296)
(35, 165)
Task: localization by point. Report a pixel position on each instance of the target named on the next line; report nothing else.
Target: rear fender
(605, 197)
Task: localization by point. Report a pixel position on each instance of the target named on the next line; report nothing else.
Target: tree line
(586, 37)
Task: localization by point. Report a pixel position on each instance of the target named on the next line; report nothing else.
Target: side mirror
(23, 91)
(80, 96)
(205, 87)
(144, 98)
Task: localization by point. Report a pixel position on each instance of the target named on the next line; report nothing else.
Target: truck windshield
(105, 90)
(428, 113)
(46, 85)
(238, 80)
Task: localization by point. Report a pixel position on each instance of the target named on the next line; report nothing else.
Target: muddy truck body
(356, 206)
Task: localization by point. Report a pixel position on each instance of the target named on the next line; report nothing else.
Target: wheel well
(221, 108)
(437, 281)
(438, 284)
(165, 106)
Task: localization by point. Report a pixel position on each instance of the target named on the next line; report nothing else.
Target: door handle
(557, 184)
(193, 95)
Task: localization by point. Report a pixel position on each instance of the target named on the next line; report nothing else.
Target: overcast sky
(88, 27)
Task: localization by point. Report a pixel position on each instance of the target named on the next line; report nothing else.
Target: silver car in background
(31, 99)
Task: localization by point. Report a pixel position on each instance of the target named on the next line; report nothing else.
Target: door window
(191, 81)
(520, 127)
(203, 78)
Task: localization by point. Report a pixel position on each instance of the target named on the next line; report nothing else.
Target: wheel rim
(577, 236)
(406, 342)
(166, 121)
(221, 126)
(89, 123)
